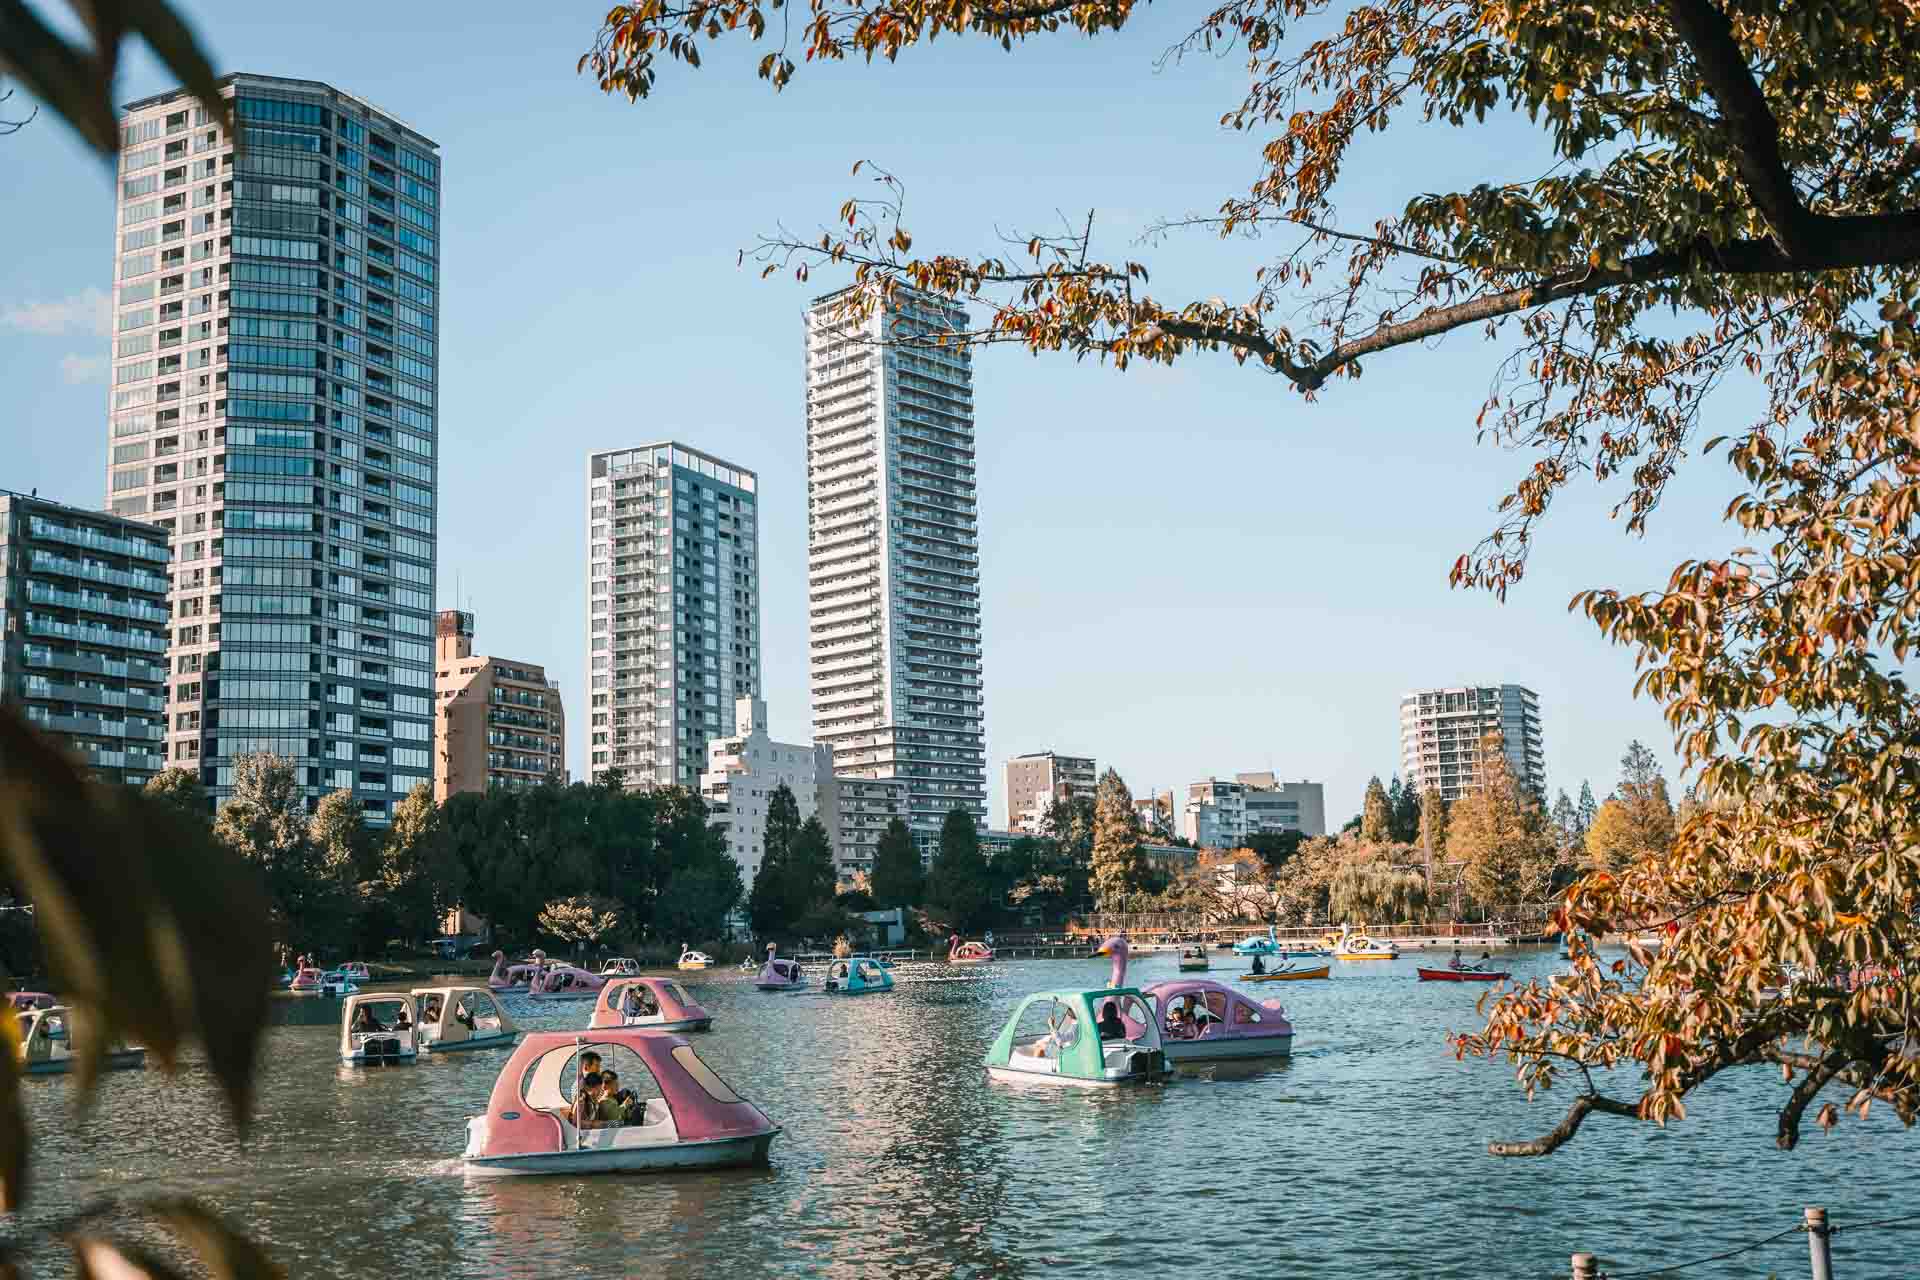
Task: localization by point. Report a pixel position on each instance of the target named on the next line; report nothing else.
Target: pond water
(1362, 1155)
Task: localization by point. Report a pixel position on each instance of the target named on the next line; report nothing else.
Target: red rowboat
(1462, 975)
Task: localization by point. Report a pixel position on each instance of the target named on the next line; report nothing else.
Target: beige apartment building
(1036, 780)
(499, 721)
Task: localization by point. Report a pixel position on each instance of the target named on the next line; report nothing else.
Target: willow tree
(1731, 198)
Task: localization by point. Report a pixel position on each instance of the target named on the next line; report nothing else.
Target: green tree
(958, 888)
(1120, 866)
(180, 790)
(1433, 823)
(1587, 809)
(774, 905)
(1376, 890)
(421, 877)
(339, 836)
(264, 821)
(1499, 834)
(1376, 814)
(1275, 847)
(1406, 812)
(812, 878)
(898, 878)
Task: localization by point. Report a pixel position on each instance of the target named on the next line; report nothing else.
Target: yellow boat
(1288, 975)
(1349, 945)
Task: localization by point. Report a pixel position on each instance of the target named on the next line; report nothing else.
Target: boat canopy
(450, 1015)
(1071, 1021)
(650, 996)
(1223, 1005)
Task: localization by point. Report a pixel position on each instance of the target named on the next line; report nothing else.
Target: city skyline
(1295, 670)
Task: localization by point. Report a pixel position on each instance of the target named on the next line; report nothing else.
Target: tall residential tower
(893, 564)
(1441, 731)
(274, 410)
(673, 609)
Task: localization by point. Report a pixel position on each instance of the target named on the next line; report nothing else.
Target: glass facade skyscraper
(673, 609)
(273, 408)
(893, 559)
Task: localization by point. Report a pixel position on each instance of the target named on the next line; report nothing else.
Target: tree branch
(1818, 1075)
(1583, 1106)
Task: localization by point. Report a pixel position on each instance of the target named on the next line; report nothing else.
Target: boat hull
(1228, 1048)
(1293, 975)
(500, 1041)
(119, 1060)
(1457, 975)
(1366, 955)
(1013, 1075)
(565, 995)
(379, 1059)
(1193, 966)
(779, 986)
(689, 965)
(718, 1153)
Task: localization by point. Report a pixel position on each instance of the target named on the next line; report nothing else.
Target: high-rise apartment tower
(893, 564)
(1441, 732)
(673, 609)
(275, 377)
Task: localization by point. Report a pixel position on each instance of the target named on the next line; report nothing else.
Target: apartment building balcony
(43, 529)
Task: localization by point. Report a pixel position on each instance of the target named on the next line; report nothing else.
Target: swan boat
(857, 976)
(337, 983)
(620, 967)
(1256, 946)
(515, 977)
(1352, 944)
(460, 1019)
(565, 982)
(307, 982)
(691, 959)
(46, 1045)
(656, 1004)
(1217, 1023)
(780, 975)
(378, 1030)
(959, 952)
(691, 1119)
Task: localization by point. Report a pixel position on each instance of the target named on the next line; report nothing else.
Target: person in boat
(589, 1066)
(365, 1022)
(612, 1109)
(430, 1009)
(1486, 960)
(1111, 1028)
(1257, 966)
(586, 1102)
(401, 1022)
(1456, 962)
(463, 1016)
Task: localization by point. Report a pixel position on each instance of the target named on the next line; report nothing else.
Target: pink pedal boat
(683, 1116)
(657, 1004)
(565, 982)
(1206, 1022)
(780, 975)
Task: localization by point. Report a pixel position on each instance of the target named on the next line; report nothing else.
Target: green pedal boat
(1088, 1039)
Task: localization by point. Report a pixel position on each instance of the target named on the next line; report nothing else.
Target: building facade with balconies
(673, 609)
(1442, 731)
(893, 563)
(1036, 780)
(83, 632)
(500, 721)
(273, 408)
(1222, 815)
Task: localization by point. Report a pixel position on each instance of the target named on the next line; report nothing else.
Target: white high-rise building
(274, 409)
(893, 565)
(1441, 731)
(673, 609)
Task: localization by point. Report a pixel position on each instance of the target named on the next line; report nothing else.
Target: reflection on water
(1363, 1152)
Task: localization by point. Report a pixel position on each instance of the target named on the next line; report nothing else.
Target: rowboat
(1288, 975)
(1463, 975)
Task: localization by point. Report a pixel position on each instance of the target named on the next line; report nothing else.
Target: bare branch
(1583, 1106)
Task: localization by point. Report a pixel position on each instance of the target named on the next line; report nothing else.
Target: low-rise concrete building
(83, 634)
(1036, 780)
(498, 721)
(1222, 815)
(744, 770)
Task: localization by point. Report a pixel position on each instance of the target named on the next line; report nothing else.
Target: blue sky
(1185, 571)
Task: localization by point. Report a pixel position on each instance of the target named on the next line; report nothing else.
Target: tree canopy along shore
(1732, 200)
